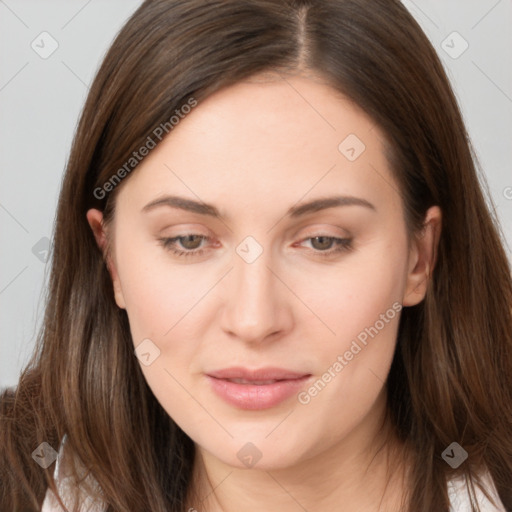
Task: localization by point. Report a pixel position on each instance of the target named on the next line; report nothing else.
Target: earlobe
(422, 258)
(95, 220)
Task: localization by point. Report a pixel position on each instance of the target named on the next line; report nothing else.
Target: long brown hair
(451, 377)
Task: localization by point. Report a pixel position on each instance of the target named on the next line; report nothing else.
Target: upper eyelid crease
(295, 211)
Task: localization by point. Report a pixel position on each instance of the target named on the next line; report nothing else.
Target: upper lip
(260, 374)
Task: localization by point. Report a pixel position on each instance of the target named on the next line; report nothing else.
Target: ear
(422, 257)
(95, 220)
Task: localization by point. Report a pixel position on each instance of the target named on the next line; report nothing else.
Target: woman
(275, 279)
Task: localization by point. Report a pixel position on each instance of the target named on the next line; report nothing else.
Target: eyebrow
(295, 211)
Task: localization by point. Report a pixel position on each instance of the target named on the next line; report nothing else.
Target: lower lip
(254, 397)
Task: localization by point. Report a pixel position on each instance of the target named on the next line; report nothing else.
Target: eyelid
(185, 229)
(328, 230)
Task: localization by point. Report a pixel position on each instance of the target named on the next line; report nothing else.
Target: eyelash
(343, 245)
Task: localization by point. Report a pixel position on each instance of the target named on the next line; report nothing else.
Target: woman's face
(261, 254)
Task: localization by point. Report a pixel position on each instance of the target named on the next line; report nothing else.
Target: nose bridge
(254, 307)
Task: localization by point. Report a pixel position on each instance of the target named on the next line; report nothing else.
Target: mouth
(254, 382)
(256, 389)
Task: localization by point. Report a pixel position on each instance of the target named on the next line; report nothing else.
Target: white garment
(459, 499)
(64, 481)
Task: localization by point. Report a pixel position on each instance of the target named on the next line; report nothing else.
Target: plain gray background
(41, 96)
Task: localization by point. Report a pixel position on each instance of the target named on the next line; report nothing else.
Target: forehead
(292, 109)
(268, 139)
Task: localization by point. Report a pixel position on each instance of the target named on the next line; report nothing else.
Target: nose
(257, 305)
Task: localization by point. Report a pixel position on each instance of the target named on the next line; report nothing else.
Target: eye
(189, 242)
(329, 245)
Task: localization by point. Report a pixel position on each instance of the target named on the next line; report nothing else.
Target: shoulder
(459, 497)
(67, 487)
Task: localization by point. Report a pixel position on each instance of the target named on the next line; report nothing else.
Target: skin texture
(254, 150)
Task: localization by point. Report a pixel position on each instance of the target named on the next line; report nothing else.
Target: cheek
(162, 303)
(351, 296)
(158, 293)
(362, 306)
(361, 303)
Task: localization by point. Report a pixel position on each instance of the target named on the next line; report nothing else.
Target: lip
(256, 389)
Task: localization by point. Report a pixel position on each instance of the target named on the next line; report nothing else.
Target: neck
(364, 472)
